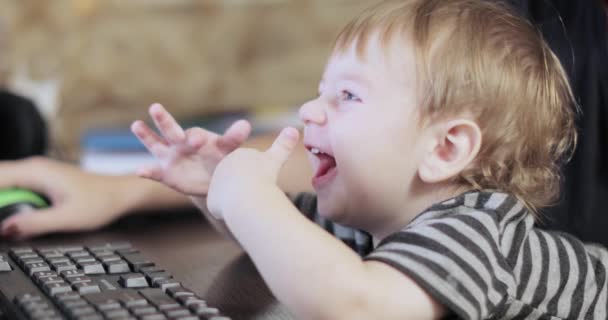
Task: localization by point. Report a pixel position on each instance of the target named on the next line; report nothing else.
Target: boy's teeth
(315, 151)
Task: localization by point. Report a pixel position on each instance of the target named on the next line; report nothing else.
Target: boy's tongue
(326, 163)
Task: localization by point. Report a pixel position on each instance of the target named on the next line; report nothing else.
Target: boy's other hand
(187, 157)
(247, 172)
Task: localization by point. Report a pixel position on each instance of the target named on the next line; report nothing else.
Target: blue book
(121, 139)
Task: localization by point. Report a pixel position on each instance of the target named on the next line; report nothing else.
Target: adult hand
(80, 200)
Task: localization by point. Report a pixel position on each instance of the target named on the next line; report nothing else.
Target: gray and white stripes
(496, 264)
(480, 255)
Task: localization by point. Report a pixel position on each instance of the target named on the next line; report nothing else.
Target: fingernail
(291, 133)
(155, 107)
(10, 232)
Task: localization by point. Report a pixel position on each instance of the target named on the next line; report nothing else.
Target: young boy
(438, 132)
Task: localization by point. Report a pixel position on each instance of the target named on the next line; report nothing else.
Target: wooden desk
(186, 246)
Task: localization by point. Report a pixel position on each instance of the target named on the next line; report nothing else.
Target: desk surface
(187, 246)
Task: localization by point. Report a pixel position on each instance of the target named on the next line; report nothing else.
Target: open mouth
(326, 169)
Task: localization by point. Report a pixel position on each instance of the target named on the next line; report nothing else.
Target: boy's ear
(452, 147)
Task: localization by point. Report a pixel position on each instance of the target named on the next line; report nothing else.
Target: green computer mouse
(16, 200)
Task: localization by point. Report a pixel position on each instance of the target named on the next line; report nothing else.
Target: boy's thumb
(283, 145)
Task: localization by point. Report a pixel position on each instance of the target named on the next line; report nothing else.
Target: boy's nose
(312, 112)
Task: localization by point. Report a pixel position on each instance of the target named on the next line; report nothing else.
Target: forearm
(313, 273)
(136, 194)
(140, 195)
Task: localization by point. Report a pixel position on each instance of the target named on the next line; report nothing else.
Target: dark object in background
(577, 31)
(23, 132)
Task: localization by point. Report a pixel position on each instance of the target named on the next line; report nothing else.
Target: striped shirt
(480, 255)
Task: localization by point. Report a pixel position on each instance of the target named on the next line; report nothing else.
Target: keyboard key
(164, 284)
(63, 266)
(90, 317)
(58, 260)
(68, 249)
(36, 267)
(141, 311)
(111, 247)
(201, 310)
(103, 253)
(133, 280)
(136, 261)
(55, 288)
(42, 313)
(109, 305)
(188, 300)
(85, 259)
(5, 266)
(44, 274)
(132, 299)
(49, 280)
(78, 254)
(92, 267)
(20, 250)
(67, 296)
(26, 261)
(177, 312)
(158, 298)
(86, 287)
(152, 276)
(72, 273)
(77, 312)
(27, 298)
(32, 307)
(109, 258)
(157, 316)
(153, 268)
(114, 267)
(72, 304)
(126, 251)
(54, 254)
(116, 313)
(179, 292)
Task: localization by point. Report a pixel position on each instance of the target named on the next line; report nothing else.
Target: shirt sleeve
(456, 259)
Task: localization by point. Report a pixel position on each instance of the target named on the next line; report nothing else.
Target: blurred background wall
(91, 63)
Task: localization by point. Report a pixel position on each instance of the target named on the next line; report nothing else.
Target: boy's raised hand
(248, 172)
(187, 157)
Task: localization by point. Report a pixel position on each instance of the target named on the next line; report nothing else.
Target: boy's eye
(349, 96)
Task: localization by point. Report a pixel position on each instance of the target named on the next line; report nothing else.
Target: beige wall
(114, 57)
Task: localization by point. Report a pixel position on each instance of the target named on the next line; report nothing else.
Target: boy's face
(364, 123)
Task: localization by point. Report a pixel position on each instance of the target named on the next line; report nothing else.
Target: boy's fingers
(166, 124)
(197, 137)
(283, 145)
(149, 138)
(150, 172)
(235, 135)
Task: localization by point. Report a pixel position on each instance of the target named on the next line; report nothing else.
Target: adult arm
(80, 200)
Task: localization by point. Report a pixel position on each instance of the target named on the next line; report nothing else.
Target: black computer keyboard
(111, 281)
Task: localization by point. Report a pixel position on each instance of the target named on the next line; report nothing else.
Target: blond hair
(481, 58)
